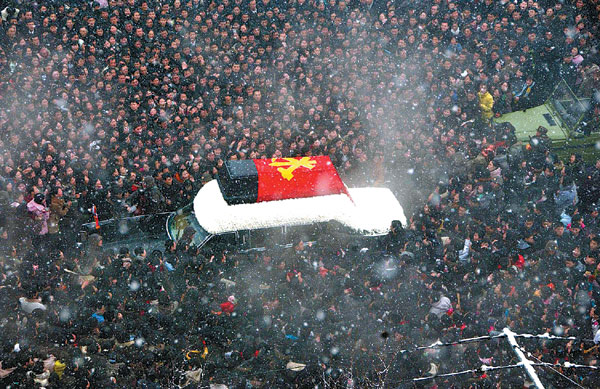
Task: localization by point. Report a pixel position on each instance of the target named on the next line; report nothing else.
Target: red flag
(95, 212)
(286, 178)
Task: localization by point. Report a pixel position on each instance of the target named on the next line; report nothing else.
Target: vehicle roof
(371, 213)
(526, 123)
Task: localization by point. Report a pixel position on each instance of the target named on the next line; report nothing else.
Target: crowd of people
(127, 107)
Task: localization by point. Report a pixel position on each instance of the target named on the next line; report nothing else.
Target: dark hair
(39, 198)
(156, 255)
(169, 244)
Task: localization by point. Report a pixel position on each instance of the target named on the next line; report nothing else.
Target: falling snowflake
(64, 315)
(123, 227)
(320, 315)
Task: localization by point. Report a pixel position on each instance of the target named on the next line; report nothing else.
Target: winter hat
(551, 246)
(39, 198)
(149, 181)
(205, 177)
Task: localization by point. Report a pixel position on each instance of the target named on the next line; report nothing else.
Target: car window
(307, 233)
(183, 218)
(267, 237)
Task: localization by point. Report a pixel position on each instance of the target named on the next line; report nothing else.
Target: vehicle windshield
(183, 218)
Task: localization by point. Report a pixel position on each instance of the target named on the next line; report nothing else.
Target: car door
(226, 241)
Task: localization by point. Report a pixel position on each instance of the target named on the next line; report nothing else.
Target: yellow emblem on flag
(292, 164)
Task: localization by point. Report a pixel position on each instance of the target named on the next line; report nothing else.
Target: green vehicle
(563, 115)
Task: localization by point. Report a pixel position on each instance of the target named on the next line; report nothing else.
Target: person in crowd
(486, 103)
(39, 214)
(58, 210)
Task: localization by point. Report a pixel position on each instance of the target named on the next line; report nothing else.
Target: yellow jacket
(486, 103)
(59, 368)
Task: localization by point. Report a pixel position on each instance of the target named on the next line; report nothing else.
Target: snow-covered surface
(371, 213)
(526, 363)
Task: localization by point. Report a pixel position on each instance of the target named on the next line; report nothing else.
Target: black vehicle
(256, 226)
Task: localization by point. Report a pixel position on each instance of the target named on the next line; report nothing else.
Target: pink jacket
(41, 215)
